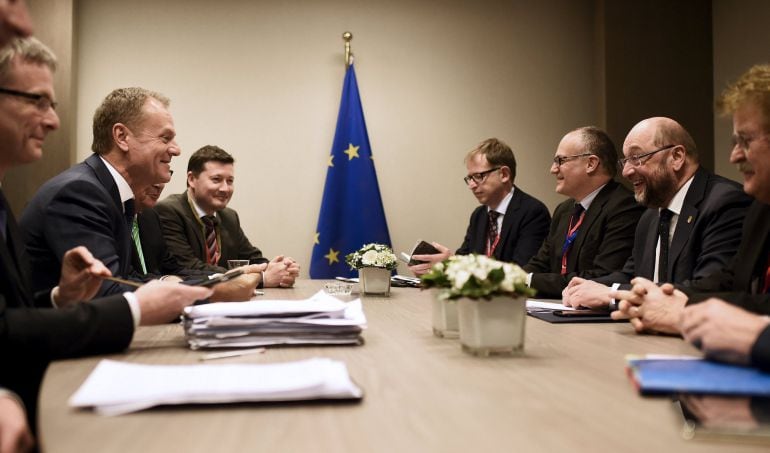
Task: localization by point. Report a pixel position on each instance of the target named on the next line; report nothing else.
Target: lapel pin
(689, 219)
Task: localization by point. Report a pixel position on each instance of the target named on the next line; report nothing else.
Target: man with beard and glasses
(692, 226)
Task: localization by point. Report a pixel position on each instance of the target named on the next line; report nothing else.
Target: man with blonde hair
(509, 225)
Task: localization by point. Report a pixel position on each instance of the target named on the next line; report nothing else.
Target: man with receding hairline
(592, 233)
(692, 226)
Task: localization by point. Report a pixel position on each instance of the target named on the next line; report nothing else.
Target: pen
(123, 281)
(224, 355)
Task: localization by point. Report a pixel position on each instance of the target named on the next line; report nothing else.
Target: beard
(660, 186)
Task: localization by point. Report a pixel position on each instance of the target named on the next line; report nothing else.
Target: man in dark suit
(592, 233)
(509, 225)
(729, 332)
(30, 337)
(203, 233)
(693, 225)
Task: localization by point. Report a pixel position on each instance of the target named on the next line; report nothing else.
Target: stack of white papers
(539, 305)
(321, 319)
(115, 388)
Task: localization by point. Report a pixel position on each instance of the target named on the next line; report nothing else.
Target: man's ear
(678, 157)
(190, 178)
(505, 173)
(592, 164)
(120, 136)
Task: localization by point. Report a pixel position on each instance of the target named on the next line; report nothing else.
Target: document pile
(321, 319)
(116, 388)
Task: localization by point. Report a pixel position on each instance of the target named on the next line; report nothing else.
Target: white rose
(460, 278)
(369, 258)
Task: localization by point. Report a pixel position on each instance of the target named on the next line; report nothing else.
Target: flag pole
(347, 36)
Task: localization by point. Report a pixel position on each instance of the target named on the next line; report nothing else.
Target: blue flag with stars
(351, 209)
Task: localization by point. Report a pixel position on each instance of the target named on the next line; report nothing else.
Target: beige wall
(741, 38)
(263, 80)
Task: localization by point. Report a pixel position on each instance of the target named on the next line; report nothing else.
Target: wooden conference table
(567, 392)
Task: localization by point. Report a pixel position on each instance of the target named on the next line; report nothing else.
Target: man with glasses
(726, 332)
(693, 225)
(592, 233)
(509, 225)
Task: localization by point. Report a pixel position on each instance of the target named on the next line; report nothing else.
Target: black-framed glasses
(479, 177)
(636, 160)
(558, 160)
(41, 101)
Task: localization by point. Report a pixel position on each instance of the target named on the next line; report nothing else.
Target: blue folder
(669, 376)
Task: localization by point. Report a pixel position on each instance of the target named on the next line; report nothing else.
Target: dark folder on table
(578, 316)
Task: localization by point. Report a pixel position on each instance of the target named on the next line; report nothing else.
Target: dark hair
(208, 153)
(498, 154)
(598, 143)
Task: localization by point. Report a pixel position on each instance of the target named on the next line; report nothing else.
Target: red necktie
(493, 235)
(212, 247)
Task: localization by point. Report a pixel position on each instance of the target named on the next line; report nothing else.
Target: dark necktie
(766, 285)
(664, 225)
(572, 231)
(3, 219)
(129, 211)
(493, 235)
(210, 232)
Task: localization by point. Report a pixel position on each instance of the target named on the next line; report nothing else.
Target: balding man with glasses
(592, 233)
(509, 225)
(692, 227)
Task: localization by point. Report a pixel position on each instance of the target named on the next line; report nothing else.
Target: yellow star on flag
(331, 157)
(316, 238)
(332, 256)
(352, 151)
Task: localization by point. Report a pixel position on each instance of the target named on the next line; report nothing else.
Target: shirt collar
(201, 213)
(123, 188)
(677, 202)
(588, 199)
(503, 206)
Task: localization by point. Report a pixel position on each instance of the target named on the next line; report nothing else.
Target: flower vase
(445, 320)
(493, 326)
(374, 281)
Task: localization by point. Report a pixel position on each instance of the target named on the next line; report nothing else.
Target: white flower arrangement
(372, 255)
(476, 276)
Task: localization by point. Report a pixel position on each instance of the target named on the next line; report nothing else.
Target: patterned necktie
(572, 231)
(138, 243)
(493, 235)
(664, 226)
(210, 232)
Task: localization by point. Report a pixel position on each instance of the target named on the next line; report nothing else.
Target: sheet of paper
(115, 388)
(320, 302)
(542, 305)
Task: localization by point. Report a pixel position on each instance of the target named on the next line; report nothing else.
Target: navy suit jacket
(31, 337)
(603, 243)
(184, 235)
(80, 206)
(525, 225)
(706, 237)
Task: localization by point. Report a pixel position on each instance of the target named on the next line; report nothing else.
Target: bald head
(661, 131)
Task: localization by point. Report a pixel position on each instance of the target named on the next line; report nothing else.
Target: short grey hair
(29, 50)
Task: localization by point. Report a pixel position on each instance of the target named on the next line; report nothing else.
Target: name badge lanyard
(571, 235)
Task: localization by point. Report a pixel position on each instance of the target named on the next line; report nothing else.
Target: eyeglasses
(41, 101)
(743, 142)
(636, 161)
(558, 160)
(479, 177)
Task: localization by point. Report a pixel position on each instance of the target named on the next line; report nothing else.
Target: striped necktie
(210, 232)
(138, 243)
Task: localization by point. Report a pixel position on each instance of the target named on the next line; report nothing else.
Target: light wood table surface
(568, 392)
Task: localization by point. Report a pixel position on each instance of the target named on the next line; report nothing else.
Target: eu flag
(351, 210)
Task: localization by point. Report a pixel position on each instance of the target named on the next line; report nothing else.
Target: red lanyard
(571, 235)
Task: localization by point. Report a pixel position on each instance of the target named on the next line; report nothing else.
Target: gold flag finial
(347, 36)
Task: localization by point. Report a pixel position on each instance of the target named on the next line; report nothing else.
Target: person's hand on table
(651, 308)
(161, 302)
(586, 293)
(15, 435)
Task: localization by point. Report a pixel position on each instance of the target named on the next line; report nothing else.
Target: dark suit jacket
(80, 206)
(602, 246)
(741, 283)
(525, 225)
(31, 337)
(184, 235)
(706, 237)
